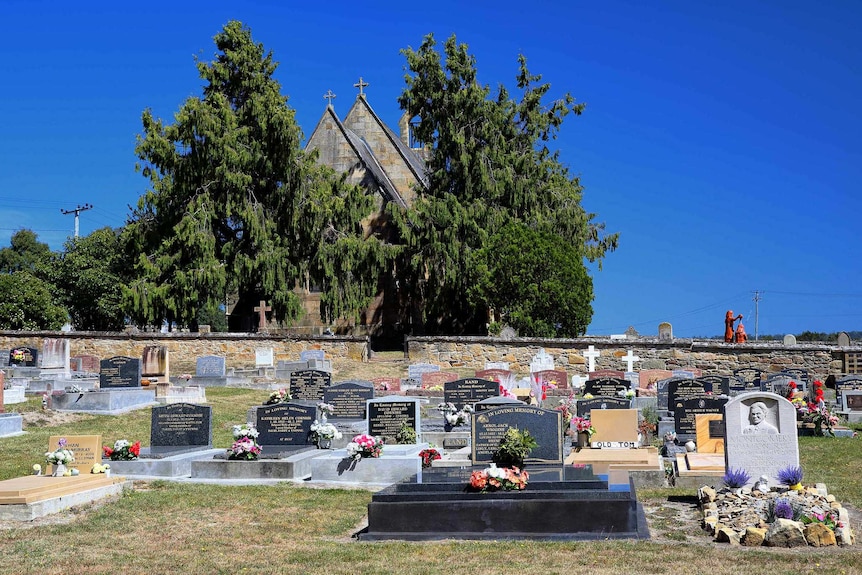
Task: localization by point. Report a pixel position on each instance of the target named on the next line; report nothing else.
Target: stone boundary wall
(238, 349)
(713, 357)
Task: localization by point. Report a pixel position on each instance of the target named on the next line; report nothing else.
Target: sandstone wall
(238, 349)
(711, 356)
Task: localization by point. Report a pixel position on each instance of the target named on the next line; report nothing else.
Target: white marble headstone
(789, 339)
(541, 361)
(263, 357)
(760, 448)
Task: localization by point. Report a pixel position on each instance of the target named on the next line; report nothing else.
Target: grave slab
(30, 497)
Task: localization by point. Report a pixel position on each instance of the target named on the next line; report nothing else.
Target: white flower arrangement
(326, 408)
(59, 457)
(324, 431)
(453, 415)
(245, 430)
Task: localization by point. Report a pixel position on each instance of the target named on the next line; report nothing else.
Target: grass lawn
(171, 527)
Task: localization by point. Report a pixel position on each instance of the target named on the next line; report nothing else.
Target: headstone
(119, 372)
(545, 425)
(586, 406)
(504, 365)
(284, 425)
(719, 384)
(789, 339)
(686, 411)
(309, 384)
(468, 391)
(843, 339)
(632, 333)
(180, 427)
(495, 374)
(846, 385)
(308, 354)
(649, 378)
(155, 363)
(665, 331)
(606, 373)
(23, 357)
(591, 354)
(495, 402)
(349, 398)
(615, 428)
(684, 373)
(263, 357)
(87, 450)
(760, 435)
(798, 373)
(556, 377)
(4, 358)
(710, 432)
(633, 377)
(387, 383)
(630, 360)
(416, 370)
(682, 389)
(86, 363)
(662, 392)
(780, 383)
(386, 415)
(852, 400)
(750, 378)
(55, 355)
(606, 386)
(210, 366)
(541, 361)
(437, 378)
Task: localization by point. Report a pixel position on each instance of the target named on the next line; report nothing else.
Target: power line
(77, 211)
(756, 312)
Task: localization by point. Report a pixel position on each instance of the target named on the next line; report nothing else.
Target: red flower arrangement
(122, 450)
(429, 455)
(498, 479)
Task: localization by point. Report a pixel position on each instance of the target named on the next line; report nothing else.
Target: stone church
(388, 165)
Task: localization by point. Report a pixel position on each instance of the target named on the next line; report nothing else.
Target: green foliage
(535, 281)
(25, 252)
(236, 206)
(515, 446)
(88, 278)
(214, 316)
(490, 164)
(26, 303)
(405, 435)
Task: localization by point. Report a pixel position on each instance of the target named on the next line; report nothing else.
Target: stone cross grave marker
(180, 427)
(541, 361)
(591, 354)
(760, 435)
(119, 372)
(545, 425)
(630, 360)
(386, 416)
(261, 314)
(349, 399)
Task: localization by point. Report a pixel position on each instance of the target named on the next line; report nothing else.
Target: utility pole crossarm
(77, 211)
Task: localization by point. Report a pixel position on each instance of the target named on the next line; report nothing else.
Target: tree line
(234, 205)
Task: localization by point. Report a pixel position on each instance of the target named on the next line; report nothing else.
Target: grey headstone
(180, 426)
(789, 339)
(312, 354)
(416, 370)
(349, 398)
(119, 371)
(210, 366)
(55, 353)
(263, 357)
(843, 339)
(386, 415)
(762, 449)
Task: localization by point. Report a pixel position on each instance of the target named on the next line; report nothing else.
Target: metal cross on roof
(360, 84)
(329, 96)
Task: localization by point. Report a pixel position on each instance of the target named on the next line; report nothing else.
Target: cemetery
(430, 450)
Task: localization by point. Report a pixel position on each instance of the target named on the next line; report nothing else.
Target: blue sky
(722, 139)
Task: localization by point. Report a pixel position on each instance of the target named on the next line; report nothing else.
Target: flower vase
(59, 470)
(322, 417)
(324, 443)
(583, 439)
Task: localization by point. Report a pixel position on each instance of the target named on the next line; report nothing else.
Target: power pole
(756, 301)
(77, 212)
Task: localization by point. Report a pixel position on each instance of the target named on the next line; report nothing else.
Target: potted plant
(514, 448)
(584, 428)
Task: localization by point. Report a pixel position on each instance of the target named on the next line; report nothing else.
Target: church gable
(403, 167)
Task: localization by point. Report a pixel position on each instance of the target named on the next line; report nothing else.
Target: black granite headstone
(679, 390)
(495, 402)
(348, 398)
(180, 426)
(119, 372)
(545, 425)
(24, 357)
(309, 384)
(720, 383)
(686, 410)
(385, 418)
(585, 406)
(285, 424)
(469, 390)
(847, 383)
(606, 386)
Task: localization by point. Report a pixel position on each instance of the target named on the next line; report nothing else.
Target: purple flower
(783, 509)
(736, 478)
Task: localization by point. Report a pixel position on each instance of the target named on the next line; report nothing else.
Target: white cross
(591, 354)
(630, 360)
